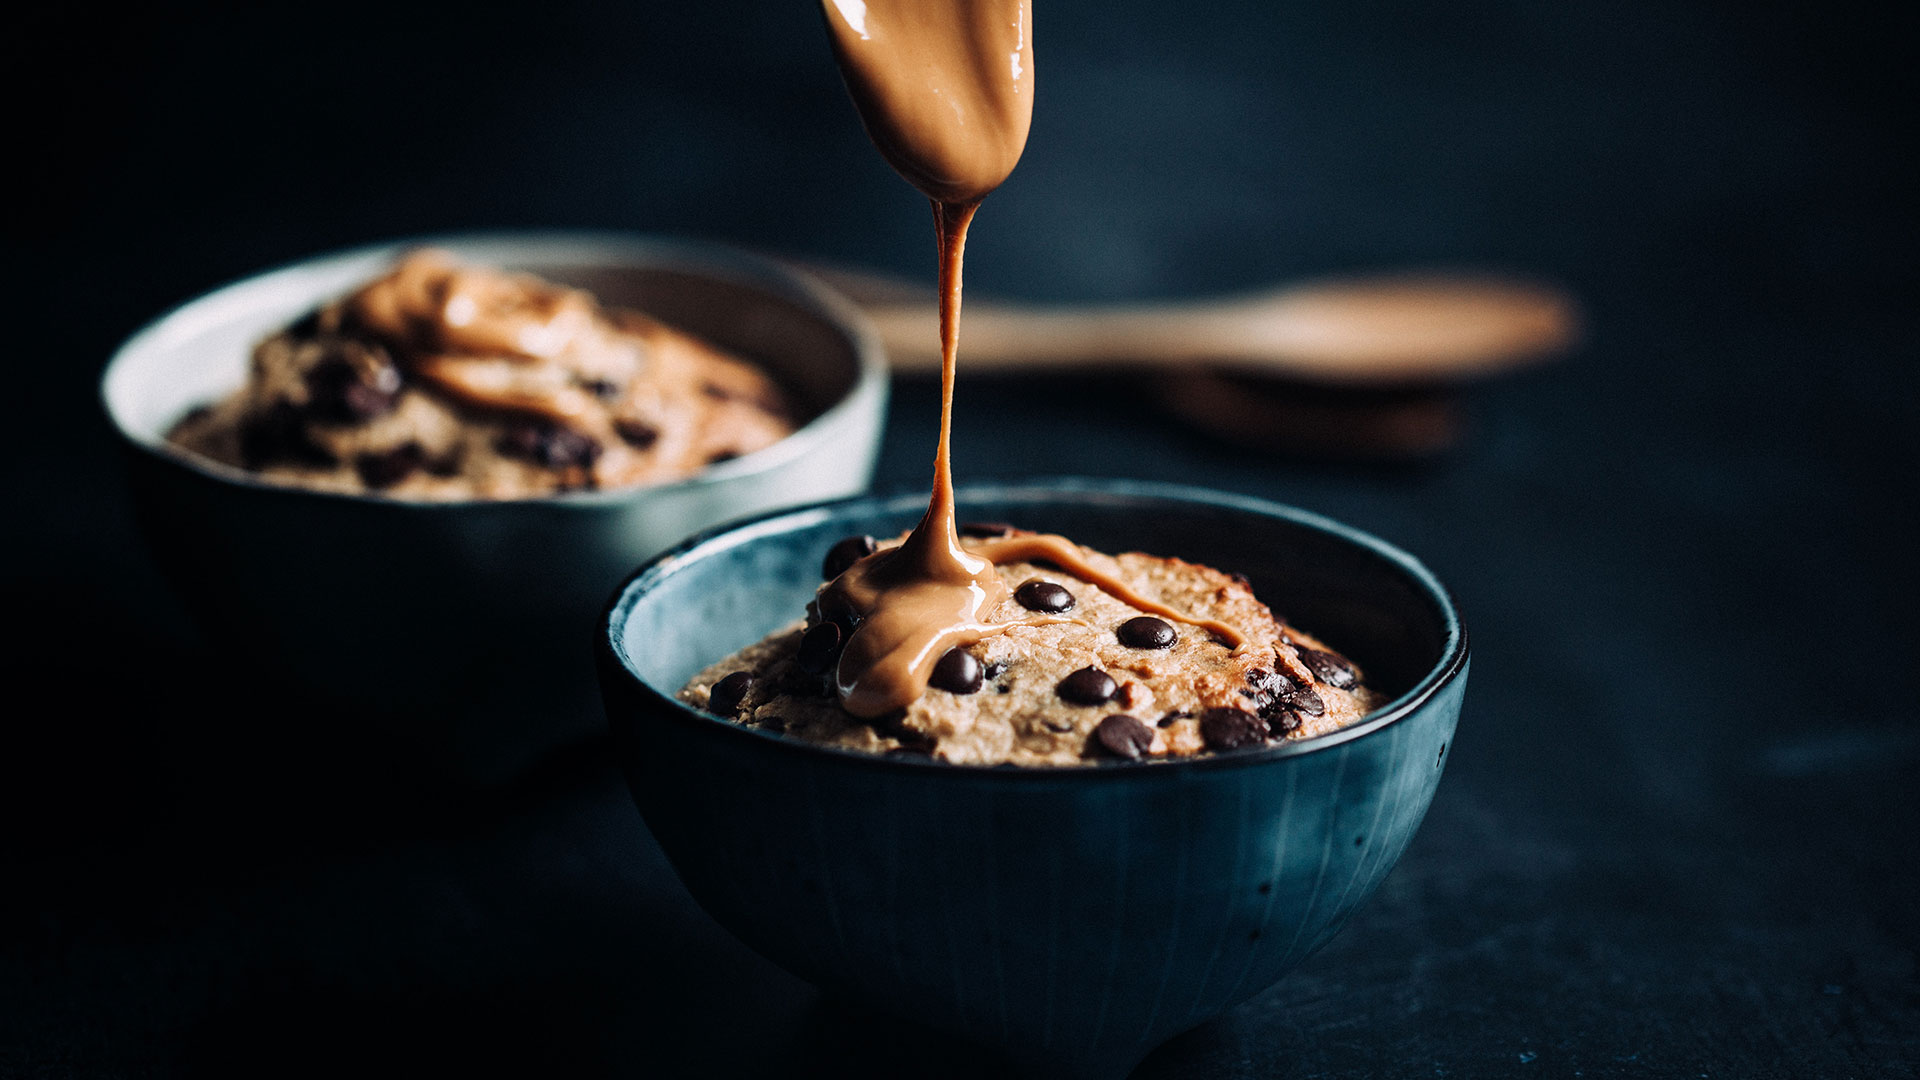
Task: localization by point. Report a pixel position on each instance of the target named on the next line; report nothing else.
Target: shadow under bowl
(453, 633)
(1074, 918)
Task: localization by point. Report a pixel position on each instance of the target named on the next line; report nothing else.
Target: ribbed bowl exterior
(1073, 918)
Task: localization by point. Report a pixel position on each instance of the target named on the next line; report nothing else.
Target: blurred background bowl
(455, 634)
(1075, 917)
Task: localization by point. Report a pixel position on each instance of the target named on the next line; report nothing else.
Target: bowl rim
(706, 258)
(1452, 661)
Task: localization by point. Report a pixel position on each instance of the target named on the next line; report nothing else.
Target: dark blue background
(1678, 836)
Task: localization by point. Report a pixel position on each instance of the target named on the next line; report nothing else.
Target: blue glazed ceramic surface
(1074, 918)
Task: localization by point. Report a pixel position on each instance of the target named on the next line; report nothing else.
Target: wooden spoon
(1358, 365)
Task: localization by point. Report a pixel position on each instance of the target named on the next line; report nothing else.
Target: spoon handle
(1356, 331)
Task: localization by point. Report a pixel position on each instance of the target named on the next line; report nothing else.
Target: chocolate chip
(379, 471)
(1231, 729)
(1263, 684)
(1280, 701)
(958, 672)
(1330, 668)
(1088, 686)
(1177, 714)
(339, 392)
(834, 607)
(1037, 595)
(996, 669)
(636, 433)
(985, 530)
(1240, 579)
(1300, 699)
(1122, 736)
(548, 445)
(844, 554)
(604, 389)
(819, 648)
(1146, 632)
(727, 694)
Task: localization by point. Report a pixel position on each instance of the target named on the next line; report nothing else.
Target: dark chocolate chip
(636, 433)
(1267, 683)
(1177, 714)
(834, 607)
(1122, 736)
(1261, 687)
(1231, 729)
(819, 648)
(996, 669)
(1280, 701)
(958, 672)
(338, 392)
(379, 471)
(844, 554)
(1281, 721)
(727, 694)
(1330, 668)
(1302, 700)
(1240, 579)
(1088, 686)
(547, 444)
(985, 530)
(1146, 632)
(1037, 595)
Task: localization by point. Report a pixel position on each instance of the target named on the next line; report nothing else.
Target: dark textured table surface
(1678, 833)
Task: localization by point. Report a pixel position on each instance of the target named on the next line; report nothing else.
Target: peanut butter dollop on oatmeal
(441, 381)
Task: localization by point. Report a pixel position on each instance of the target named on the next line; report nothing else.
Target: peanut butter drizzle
(944, 87)
(482, 335)
(945, 90)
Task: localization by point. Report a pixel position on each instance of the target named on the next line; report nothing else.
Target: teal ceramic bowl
(1073, 918)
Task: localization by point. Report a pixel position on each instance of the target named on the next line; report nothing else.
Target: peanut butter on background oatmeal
(441, 382)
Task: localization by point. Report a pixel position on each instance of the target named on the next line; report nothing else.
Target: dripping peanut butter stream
(945, 90)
